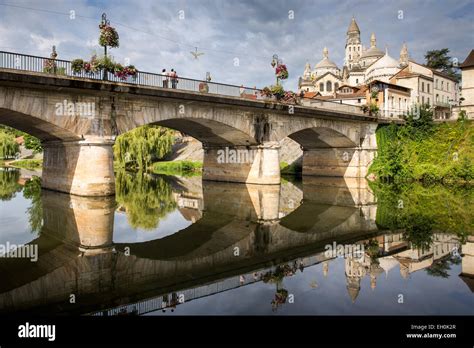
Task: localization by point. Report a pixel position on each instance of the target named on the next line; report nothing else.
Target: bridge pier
(338, 162)
(245, 164)
(83, 168)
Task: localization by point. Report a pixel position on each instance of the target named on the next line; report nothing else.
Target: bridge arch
(36, 126)
(211, 125)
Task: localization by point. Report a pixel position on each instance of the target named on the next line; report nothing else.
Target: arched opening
(39, 128)
(326, 152)
(328, 86)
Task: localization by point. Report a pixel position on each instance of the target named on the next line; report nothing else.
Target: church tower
(353, 44)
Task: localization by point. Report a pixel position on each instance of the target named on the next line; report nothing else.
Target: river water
(177, 245)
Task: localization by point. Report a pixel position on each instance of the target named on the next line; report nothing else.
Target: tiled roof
(469, 61)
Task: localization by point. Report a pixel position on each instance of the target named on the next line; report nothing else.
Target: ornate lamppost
(275, 62)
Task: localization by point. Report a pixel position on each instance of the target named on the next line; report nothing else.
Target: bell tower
(353, 44)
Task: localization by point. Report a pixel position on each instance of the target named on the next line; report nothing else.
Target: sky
(238, 38)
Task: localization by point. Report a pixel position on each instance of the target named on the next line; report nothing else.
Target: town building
(403, 82)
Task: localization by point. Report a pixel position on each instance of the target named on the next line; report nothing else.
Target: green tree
(8, 146)
(137, 148)
(440, 60)
(145, 198)
(32, 190)
(9, 185)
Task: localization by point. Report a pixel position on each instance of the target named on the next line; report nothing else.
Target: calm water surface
(175, 245)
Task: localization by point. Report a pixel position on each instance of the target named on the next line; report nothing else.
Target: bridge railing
(17, 61)
(58, 67)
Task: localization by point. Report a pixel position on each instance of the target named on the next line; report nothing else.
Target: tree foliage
(424, 151)
(139, 147)
(440, 60)
(9, 185)
(32, 191)
(9, 148)
(145, 198)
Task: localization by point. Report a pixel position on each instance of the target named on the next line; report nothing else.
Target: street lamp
(276, 62)
(104, 22)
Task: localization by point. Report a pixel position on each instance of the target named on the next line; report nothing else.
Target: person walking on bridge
(165, 78)
(174, 78)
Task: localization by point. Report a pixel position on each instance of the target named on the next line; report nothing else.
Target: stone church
(361, 66)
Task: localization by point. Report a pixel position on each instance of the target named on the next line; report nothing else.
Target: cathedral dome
(326, 65)
(325, 62)
(382, 69)
(372, 52)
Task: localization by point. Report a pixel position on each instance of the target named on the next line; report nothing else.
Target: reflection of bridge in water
(239, 229)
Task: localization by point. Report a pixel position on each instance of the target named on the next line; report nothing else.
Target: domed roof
(373, 51)
(386, 62)
(326, 62)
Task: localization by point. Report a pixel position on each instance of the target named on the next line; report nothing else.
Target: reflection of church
(394, 251)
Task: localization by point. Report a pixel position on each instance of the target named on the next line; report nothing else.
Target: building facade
(362, 67)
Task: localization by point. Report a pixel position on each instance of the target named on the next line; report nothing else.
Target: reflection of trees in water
(441, 267)
(9, 185)
(146, 199)
(32, 190)
(263, 238)
(420, 210)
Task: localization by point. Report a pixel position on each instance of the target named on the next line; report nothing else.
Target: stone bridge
(242, 228)
(337, 140)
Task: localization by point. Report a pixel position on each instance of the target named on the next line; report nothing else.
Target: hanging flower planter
(108, 36)
(281, 72)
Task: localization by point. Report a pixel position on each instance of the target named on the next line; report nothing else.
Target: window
(349, 48)
(399, 103)
(422, 86)
(422, 100)
(307, 89)
(350, 57)
(321, 87)
(436, 83)
(358, 100)
(428, 87)
(357, 81)
(336, 86)
(437, 97)
(328, 86)
(442, 85)
(428, 101)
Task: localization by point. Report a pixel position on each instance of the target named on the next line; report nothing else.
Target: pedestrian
(169, 77)
(165, 78)
(174, 78)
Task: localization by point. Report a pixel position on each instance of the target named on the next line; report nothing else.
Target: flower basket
(281, 72)
(203, 87)
(108, 36)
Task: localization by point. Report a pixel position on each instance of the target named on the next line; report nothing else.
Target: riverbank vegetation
(421, 150)
(183, 168)
(31, 164)
(421, 209)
